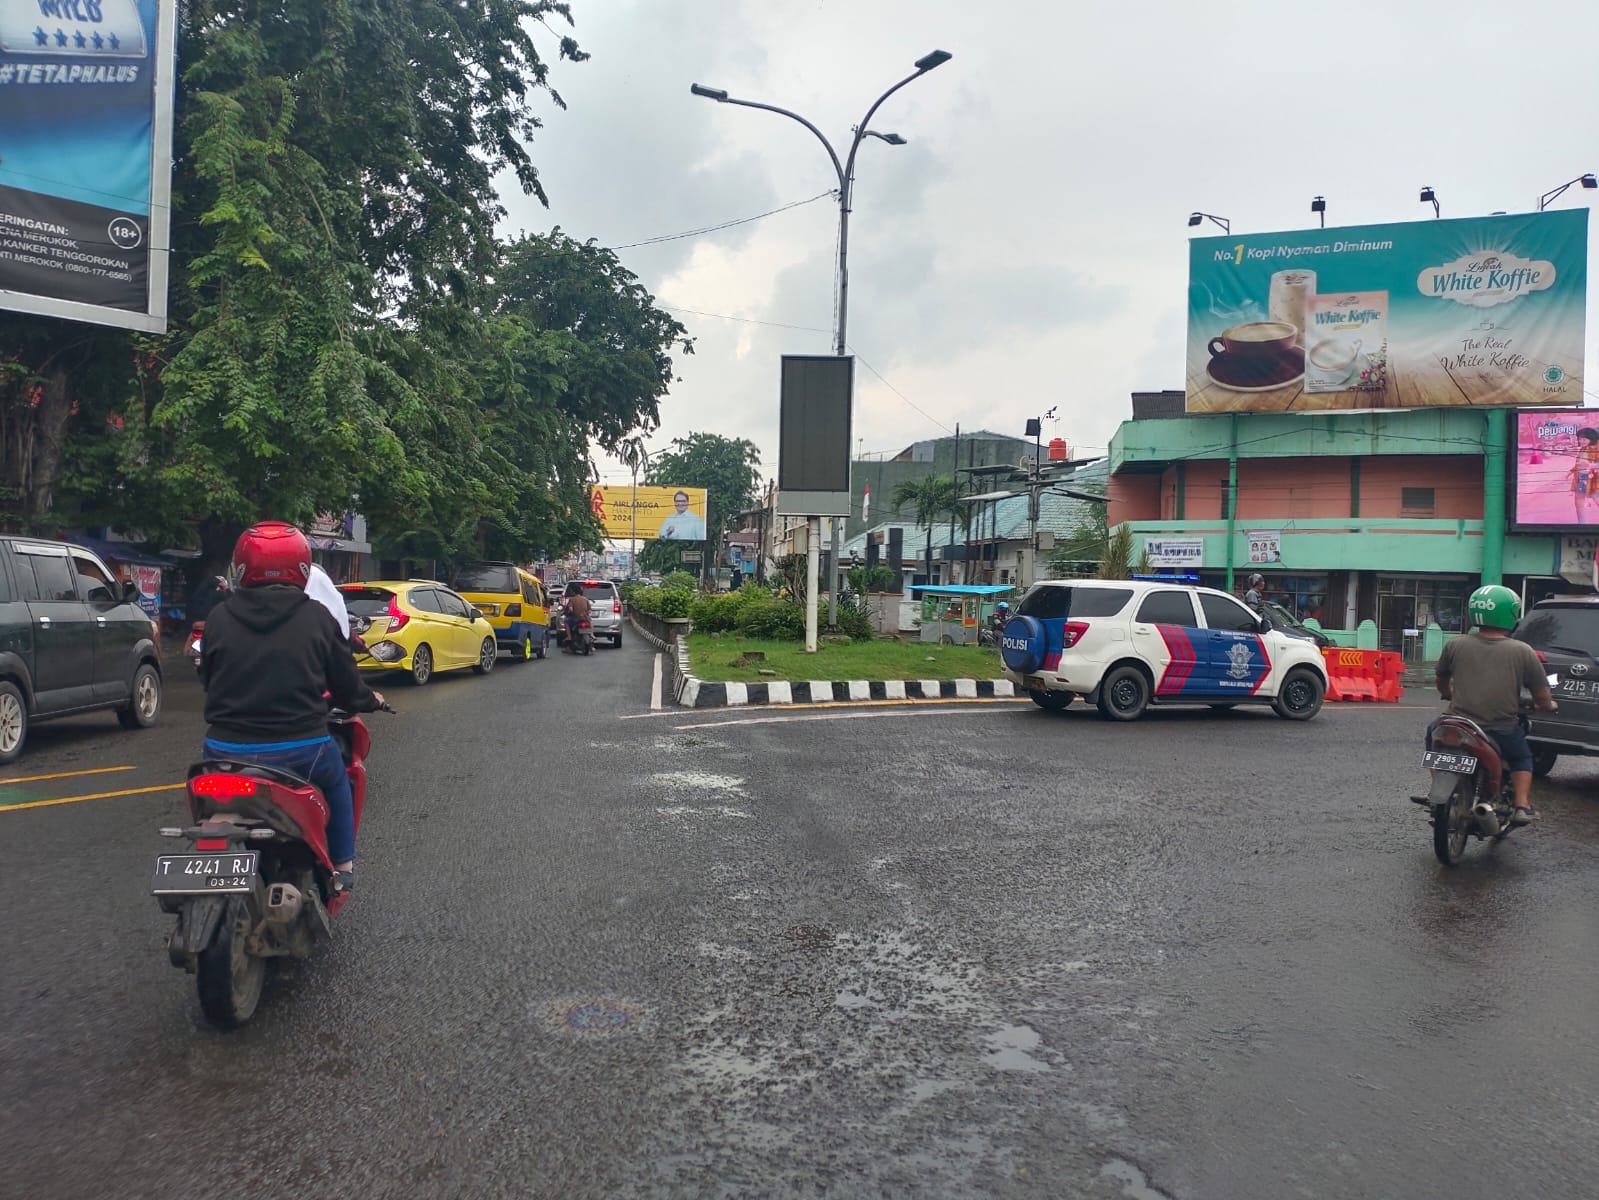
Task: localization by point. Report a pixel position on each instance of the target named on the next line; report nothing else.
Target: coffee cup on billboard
(1255, 338)
(1332, 361)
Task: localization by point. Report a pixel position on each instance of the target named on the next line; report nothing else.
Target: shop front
(338, 542)
(1407, 604)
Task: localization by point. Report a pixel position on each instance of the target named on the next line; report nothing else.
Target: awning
(122, 552)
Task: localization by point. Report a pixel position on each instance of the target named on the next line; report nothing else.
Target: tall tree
(928, 498)
(729, 471)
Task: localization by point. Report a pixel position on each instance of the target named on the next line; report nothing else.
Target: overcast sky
(1028, 247)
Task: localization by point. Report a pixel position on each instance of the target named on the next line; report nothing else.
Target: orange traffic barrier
(1363, 675)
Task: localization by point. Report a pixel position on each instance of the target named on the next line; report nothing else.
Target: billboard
(813, 432)
(1482, 310)
(1175, 552)
(86, 159)
(666, 513)
(1556, 469)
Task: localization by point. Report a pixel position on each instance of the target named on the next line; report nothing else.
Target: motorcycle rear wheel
(227, 976)
(1451, 825)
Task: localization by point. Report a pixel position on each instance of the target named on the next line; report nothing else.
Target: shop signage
(1482, 311)
(86, 177)
(1577, 559)
(1265, 546)
(1175, 552)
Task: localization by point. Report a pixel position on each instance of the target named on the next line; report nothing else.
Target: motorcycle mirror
(130, 591)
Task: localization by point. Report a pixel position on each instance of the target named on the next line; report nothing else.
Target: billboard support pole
(813, 564)
(1232, 492)
(1495, 436)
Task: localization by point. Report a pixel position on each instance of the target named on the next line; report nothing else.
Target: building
(937, 456)
(1392, 517)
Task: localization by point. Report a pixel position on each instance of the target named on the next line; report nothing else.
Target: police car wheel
(1300, 696)
(1123, 694)
(1053, 701)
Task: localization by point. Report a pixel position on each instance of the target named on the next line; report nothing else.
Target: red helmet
(271, 552)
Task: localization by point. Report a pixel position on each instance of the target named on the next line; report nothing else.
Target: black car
(72, 640)
(1565, 633)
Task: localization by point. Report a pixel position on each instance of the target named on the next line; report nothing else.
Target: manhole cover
(594, 1016)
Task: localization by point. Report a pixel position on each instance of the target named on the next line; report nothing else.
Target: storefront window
(1415, 601)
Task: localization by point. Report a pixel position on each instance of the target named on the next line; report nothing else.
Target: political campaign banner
(1421, 314)
(86, 90)
(650, 512)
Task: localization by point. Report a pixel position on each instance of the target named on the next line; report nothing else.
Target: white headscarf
(322, 589)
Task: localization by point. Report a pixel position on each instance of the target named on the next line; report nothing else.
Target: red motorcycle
(1471, 794)
(259, 884)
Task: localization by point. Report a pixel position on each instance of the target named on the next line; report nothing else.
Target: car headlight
(387, 651)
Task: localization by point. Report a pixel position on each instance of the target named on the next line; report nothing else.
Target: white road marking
(655, 686)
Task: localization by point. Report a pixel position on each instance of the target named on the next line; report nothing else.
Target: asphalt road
(975, 950)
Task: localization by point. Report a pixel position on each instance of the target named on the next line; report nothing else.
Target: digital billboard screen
(1557, 469)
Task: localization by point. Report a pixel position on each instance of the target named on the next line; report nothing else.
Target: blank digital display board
(814, 435)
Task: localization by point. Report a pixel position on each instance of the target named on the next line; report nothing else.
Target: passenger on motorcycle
(273, 660)
(1482, 674)
(577, 611)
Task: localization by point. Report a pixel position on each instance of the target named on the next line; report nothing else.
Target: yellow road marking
(165, 787)
(65, 775)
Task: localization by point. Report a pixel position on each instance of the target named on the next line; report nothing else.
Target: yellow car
(513, 601)
(418, 626)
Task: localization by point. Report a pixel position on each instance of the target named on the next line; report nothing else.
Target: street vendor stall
(953, 614)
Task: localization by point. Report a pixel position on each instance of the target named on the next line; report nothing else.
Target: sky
(1026, 249)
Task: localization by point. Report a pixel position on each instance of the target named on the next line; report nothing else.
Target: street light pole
(845, 173)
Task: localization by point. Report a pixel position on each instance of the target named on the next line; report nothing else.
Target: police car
(1127, 644)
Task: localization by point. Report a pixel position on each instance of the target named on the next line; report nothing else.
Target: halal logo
(1239, 657)
(1554, 375)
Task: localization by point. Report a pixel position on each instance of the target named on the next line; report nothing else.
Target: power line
(688, 233)
(899, 393)
(743, 320)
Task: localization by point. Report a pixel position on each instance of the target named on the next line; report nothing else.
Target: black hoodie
(269, 654)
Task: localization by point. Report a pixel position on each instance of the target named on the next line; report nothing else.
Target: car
(605, 609)
(1127, 644)
(1286, 622)
(1565, 633)
(72, 640)
(418, 626)
(512, 600)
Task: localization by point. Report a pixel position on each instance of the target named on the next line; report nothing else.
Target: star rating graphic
(79, 40)
(61, 38)
(40, 37)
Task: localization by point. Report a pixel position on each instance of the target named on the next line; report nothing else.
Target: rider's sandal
(1524, 816)
(344, 881)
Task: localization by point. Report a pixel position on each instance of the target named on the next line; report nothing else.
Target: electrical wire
(688, 233)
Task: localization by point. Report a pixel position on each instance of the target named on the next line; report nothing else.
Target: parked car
(1565, 633)
(1127, 644)
(418, 626)
(512, 600)
(72, 640)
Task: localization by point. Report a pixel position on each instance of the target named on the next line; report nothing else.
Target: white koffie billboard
(86, 159)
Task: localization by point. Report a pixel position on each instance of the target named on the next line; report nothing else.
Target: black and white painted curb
(689, 691)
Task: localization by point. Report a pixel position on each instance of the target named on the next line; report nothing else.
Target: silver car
(605, 609)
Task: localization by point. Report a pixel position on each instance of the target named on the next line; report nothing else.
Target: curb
(690, 691)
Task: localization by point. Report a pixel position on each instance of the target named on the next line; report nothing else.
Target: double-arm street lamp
(845, 173)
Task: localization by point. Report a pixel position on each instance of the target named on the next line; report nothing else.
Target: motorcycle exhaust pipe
(283, 904)
(1487, 820)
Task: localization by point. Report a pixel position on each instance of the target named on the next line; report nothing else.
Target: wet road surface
(975, 950)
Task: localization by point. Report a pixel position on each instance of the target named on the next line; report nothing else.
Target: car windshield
(1565, 630)
(365, 601)
(1058, 603)
(1279, 613)
(486, 577)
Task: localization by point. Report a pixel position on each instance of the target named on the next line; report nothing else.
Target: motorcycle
(259, 883)
(581, 641)
(193, 643)
(1471, 794)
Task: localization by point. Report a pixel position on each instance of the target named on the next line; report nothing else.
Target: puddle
(1135, 1185)
(1008, 1049)
(700, 781)
(588, 1017)
(719, 810)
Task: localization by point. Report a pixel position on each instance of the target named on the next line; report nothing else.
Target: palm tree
(929, 498)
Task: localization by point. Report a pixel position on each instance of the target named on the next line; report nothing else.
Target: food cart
(953, 614)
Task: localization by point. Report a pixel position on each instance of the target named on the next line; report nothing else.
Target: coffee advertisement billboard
(1421, 314)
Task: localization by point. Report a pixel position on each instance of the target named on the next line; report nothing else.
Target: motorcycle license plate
(204, 874)
(1459, 764)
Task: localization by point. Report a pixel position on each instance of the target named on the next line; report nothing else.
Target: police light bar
(1166, 578)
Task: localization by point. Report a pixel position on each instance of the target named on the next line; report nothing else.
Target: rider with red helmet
(273, 658)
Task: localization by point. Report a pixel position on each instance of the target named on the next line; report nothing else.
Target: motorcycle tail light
(397, 619)
(1541, 656)
(1072, 633)
(1448, 735)
(211, 843)
(220, 787)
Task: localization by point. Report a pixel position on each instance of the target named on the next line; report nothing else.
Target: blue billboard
(86, 158)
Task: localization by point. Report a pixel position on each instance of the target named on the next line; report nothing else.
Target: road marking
(784, 718)
(655, 686)
(906, 704)
(164, 787)
(65, 775)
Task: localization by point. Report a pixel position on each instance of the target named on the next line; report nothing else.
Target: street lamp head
(1589, 181)
(700, 89)
(1195, 218)
(1318, 205)
(1427, 196)
(936, 59)
(893, 139)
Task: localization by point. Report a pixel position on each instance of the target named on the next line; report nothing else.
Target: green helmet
(1495, 606)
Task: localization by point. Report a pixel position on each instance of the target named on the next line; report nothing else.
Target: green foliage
(727, 468)
(928, 498)
(663, 601)
(679, 579)
(1118, 553)
(779, 620)
(718, 613)
(872, 579)
(854, 620)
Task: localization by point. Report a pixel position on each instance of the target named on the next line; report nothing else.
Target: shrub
(853, 620)
(718, 614)
(778, 620)
(680, 579)
(675, 602)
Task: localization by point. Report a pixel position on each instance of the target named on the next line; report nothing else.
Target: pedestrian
(1255, 597)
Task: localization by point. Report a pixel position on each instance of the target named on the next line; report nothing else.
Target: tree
(929, 498)
(729, 471)
(1117, 563)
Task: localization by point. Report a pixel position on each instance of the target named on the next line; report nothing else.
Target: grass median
(719, 659)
